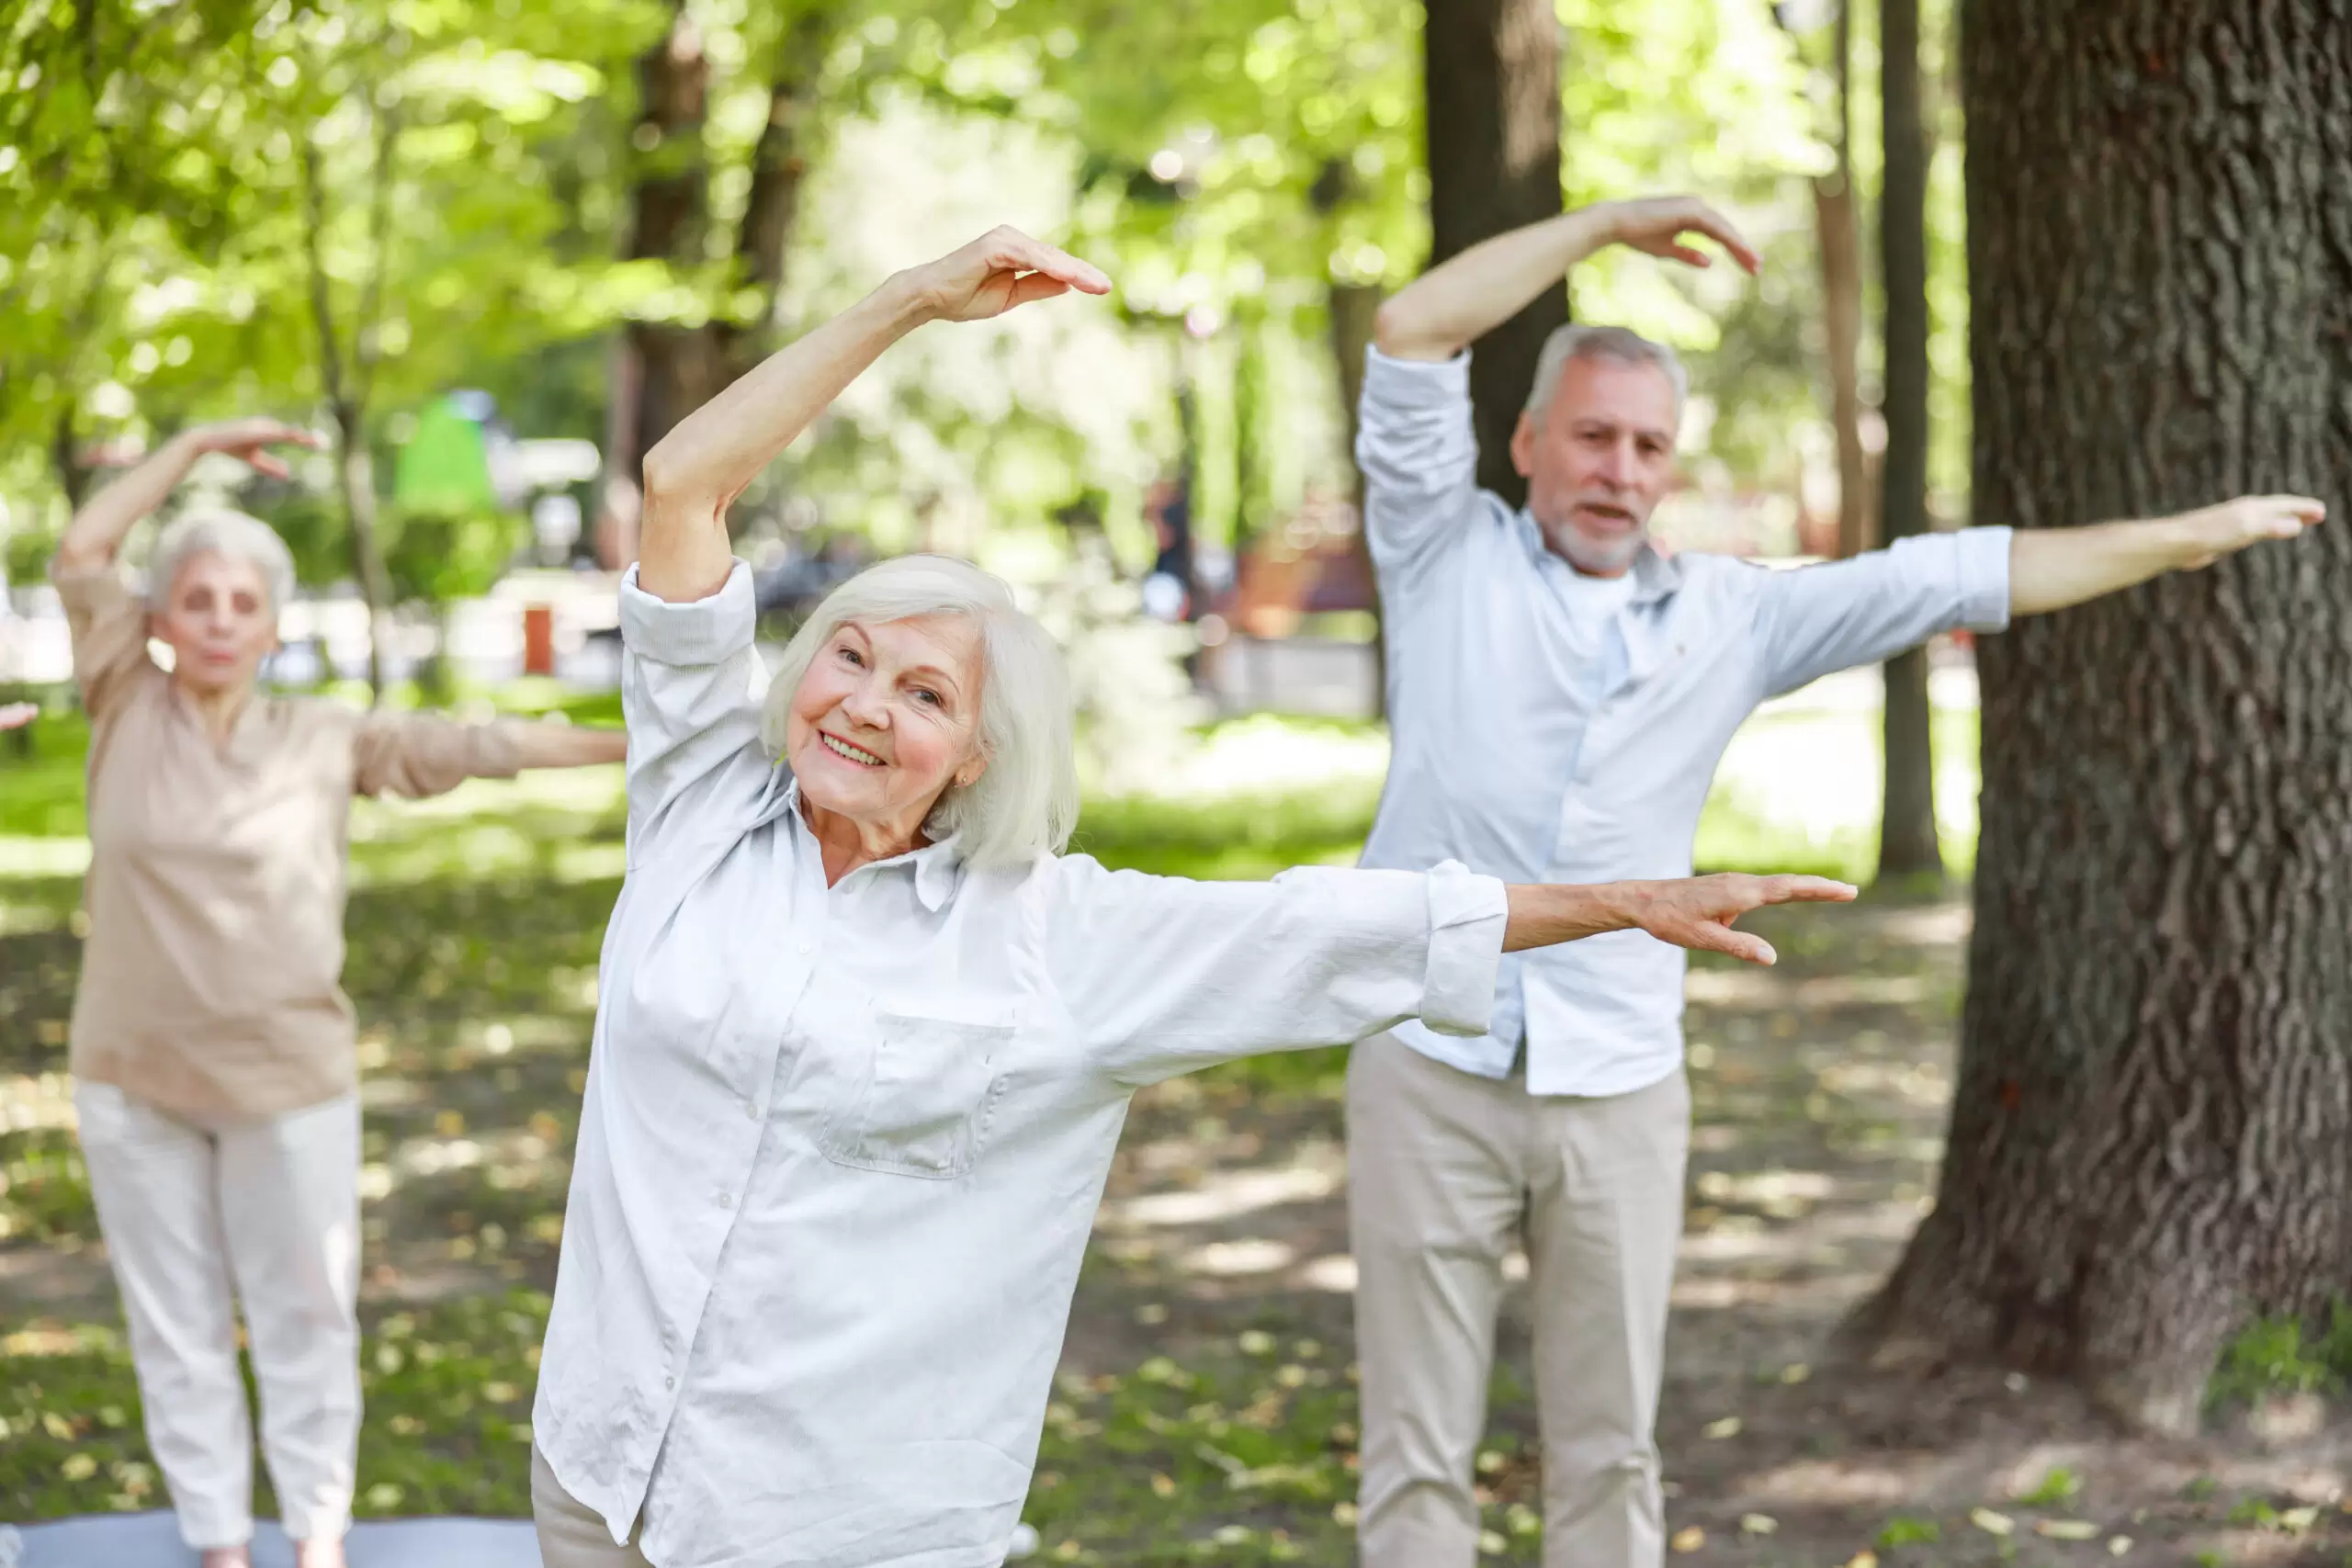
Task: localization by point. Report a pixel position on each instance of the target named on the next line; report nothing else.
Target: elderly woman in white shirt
(866, 1037)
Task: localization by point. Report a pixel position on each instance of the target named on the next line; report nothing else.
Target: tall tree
(1908, 824)
(668, 367)
(1836, 208)
(2151, 1131)
(1491, 76)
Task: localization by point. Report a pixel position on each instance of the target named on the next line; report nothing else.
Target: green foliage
(1904, 1530)
(2285, 1356)
(436, 555)
(2055, 1489)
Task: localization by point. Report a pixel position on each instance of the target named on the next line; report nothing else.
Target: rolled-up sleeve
(692, 687)
(108, 624)
(1163, 975)
(1419, 451)
(419, 754)
(1820, 618)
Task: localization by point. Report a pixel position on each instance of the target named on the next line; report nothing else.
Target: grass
(474, 926)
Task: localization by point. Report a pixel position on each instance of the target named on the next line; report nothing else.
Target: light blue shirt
(842, 1146)
(1543, 734)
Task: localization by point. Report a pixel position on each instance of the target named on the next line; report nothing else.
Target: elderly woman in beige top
(212, 1049)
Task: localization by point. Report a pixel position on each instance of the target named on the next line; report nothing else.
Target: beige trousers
(572, 1534)
(200, 1219)
(1446, 1170)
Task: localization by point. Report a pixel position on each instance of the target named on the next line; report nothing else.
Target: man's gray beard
(1592, 560)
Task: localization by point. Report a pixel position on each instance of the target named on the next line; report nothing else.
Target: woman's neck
(217, 709)
(846, 843)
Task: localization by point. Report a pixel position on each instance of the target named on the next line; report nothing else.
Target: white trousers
(198, 1220)
(1446, 1170)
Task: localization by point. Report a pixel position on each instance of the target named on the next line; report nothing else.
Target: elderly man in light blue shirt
(1559, 693)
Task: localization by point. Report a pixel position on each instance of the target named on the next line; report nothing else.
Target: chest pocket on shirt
(921, 1102)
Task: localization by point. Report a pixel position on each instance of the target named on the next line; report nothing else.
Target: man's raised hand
(1002, 269)
(1655, 226)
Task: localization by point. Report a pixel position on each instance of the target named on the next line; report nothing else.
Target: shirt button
(801, 948)
(670, 1382)
(727, 1200)
(751, 1109)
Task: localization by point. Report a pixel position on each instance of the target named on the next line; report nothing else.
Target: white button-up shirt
(840, 1148)
(1535, 745)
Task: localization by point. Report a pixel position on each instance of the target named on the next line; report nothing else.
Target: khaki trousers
(1446, 1170)
(572, 1534)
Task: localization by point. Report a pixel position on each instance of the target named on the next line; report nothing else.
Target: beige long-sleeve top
(211, 973)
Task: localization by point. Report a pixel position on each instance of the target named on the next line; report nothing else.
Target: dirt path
(1821, 1088)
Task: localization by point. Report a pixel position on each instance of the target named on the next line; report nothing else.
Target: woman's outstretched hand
(1698, 911)
(249, 440)
(1002, 269)
(16, 716)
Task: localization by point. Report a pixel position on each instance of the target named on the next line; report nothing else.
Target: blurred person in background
(866, 1036)
(211, 1046)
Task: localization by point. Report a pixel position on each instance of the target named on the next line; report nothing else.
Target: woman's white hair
(1024, 804)
(218, 530)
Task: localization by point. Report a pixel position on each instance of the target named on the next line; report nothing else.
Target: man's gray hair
(218, 531)
(1025, 803)
(1622, 344)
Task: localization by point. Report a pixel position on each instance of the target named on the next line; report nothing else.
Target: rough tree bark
(1491, 76)
(1907, 844)
(2151, 1134)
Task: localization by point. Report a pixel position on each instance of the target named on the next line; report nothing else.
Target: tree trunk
(1352, 308)
(355, 473)
(671, 221)
(1492, 79)
(1907, 845)
(2152, 1132)
(345, 404)
(1839, 229)
(65, 456)
(669, 371)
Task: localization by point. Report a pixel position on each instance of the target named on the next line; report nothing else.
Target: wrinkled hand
(1655, 225)
(1697, 911)
(1002, 269)
(16, 716)
(245, 439)
(2218, 531)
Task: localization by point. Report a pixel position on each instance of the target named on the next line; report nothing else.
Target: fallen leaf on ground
(1865, 1558)
(2066, 1529)
(1758, 1524)
(1990, 1522)
(2119, 1546)
(1691, 1538)
(1726, 1428)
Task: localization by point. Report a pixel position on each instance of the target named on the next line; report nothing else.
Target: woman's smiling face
(886, 718)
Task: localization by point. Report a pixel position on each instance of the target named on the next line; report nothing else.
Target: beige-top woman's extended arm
(694, 474)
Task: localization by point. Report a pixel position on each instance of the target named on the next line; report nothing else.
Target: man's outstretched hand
(1698, 911)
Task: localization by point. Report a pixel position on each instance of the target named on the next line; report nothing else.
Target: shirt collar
(1656, 573)
(938, 868)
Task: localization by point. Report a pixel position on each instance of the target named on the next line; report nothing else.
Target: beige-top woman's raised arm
(211, 1044)
(865, 1035)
